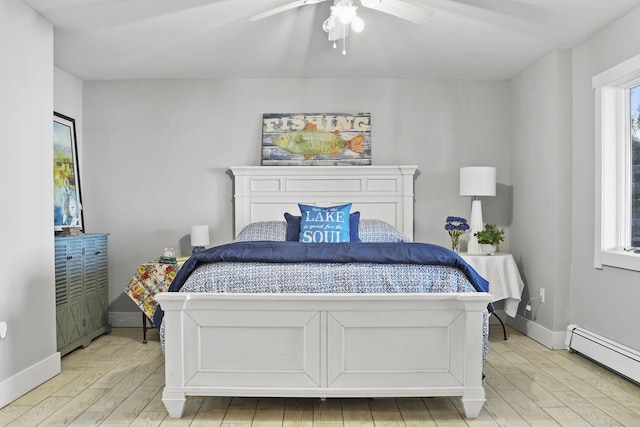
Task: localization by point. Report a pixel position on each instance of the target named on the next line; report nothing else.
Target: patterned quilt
(256, 277)
(345, 257)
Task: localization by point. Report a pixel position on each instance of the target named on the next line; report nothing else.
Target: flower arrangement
(456, 227)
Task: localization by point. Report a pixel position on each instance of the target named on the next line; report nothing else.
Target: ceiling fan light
(370, 3)
(347, 13)
(328, 24)
(357, 25)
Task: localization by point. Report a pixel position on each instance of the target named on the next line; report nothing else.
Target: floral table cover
(150, 279)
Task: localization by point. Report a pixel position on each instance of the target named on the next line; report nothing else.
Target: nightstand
(505, 282)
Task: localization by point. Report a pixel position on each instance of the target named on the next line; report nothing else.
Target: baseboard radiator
(618, 358)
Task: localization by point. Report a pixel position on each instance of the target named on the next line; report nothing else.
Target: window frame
(613, 165)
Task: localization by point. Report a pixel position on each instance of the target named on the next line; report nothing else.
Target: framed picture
(308, 139)
(67, 204)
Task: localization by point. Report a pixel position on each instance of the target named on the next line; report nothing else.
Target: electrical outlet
(542, 295)
(3, 330)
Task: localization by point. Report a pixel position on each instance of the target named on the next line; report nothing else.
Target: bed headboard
(265, 193)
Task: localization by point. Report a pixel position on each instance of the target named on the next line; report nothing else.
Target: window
(635, 166)
(617, 95)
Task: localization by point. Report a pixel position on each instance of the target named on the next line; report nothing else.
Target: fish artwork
(310, 142)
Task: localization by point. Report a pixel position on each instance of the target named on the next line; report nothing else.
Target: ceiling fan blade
(517, 9)
(283, 8)
(401, 9)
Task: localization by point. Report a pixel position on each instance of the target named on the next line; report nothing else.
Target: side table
(505, 282)
(150, 279)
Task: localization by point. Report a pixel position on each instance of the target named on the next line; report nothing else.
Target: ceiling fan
(343, 14)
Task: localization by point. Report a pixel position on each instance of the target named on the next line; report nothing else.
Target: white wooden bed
(324, 345)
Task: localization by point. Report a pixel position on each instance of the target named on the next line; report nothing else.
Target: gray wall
(553, 177)
(28, 354)
(541, 177)
(67, 99)
(604, 301)
(156, 153)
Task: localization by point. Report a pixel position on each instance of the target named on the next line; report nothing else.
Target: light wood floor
(117, 381)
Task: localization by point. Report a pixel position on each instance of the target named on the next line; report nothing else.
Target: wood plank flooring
(117, 381)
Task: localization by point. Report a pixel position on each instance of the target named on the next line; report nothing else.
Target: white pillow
(265, 230)
(369, 230)
(375, 230)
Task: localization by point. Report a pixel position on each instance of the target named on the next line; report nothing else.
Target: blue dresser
(82, 290)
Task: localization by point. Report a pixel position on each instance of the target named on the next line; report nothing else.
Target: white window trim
(613, 175)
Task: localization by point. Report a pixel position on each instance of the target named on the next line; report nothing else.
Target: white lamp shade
(478, 181)
(199, 235)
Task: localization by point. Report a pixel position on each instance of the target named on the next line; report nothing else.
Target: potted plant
(489, 238)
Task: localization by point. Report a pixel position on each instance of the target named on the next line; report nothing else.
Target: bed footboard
(323, 346)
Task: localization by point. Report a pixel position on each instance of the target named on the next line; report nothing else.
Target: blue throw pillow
(293, 227)
(324, 224)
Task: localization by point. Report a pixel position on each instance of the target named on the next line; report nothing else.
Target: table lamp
(199, 238)
(476, 181)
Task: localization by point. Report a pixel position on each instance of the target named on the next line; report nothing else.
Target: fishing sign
(337, 139)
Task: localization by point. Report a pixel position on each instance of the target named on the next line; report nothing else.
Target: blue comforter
(296, 252)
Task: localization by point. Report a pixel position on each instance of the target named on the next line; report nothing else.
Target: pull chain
(344, 39)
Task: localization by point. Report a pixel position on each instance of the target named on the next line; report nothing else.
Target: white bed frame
(324, 345)
(264, 193)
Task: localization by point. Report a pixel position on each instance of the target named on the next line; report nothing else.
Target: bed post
(473, 396)
(173, 395)
(408, 199)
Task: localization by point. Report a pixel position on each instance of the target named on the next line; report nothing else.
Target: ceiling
(178, 39)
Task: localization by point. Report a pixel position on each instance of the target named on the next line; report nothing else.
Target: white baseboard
(127, 319)
(29, 378)
(548, 338)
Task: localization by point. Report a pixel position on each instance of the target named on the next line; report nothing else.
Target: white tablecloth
(505, 282)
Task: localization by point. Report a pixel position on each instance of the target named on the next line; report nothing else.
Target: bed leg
(174, 402)
(144, 328)
(472, 403)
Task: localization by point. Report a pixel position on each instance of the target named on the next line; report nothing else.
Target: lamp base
(475, 225)
(197, 249)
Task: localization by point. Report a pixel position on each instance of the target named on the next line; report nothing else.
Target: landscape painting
(67, 206)
(316, 139)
